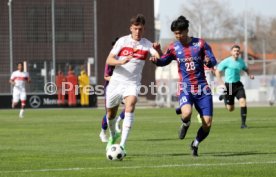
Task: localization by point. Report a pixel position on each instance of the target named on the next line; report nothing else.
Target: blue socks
(104, 123)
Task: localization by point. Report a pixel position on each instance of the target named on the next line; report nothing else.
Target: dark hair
(20, 63)
(235, 46)
(114, 41)
(139, 19)
(180, 24)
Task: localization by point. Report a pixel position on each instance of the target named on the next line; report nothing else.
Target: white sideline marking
(138, 167)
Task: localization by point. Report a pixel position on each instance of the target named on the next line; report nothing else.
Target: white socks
(21, 113)
(195, 143)
(118, 119)
(111, 125)
(127, 125)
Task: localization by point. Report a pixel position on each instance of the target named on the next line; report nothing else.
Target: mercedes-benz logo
(35, 101)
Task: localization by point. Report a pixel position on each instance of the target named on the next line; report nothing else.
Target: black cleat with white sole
(183, 130)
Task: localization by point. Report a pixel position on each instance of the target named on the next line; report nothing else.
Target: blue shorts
(203, 103)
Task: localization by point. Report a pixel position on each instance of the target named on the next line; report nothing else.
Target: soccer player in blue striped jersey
(190, 52)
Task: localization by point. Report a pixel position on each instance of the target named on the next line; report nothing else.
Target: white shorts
(116, 93)
(19, 93)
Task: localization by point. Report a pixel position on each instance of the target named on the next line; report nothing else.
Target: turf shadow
(159, 139)
(231, 154)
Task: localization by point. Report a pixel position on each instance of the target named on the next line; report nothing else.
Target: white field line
(140, 167)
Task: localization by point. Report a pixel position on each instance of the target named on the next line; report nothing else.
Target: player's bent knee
(207, 123)
(185, 118)
(242, 102)
(186, 113)
(130, 108)
(230, 108)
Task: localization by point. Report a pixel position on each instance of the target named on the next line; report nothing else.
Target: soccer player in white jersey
(18, 80)
(128, 56)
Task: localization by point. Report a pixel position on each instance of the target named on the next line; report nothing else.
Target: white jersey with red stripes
(19, 78)
(131, 72)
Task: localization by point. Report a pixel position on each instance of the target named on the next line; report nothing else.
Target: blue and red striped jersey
(191, 60)
(108, 71)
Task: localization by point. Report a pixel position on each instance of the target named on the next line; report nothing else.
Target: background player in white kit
(128, 56)
(18, 80)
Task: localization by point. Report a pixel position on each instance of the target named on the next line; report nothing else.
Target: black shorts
(234, 90)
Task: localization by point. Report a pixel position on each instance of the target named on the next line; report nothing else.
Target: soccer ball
(115, 152)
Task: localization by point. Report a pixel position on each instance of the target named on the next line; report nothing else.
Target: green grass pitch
(65, 143)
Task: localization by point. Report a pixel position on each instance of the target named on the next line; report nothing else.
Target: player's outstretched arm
(164, 59)
(111, 60)
(157, 47)
(210, 60)
(11, 82)
(161, 61)
(251, 76)
(29, 80)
